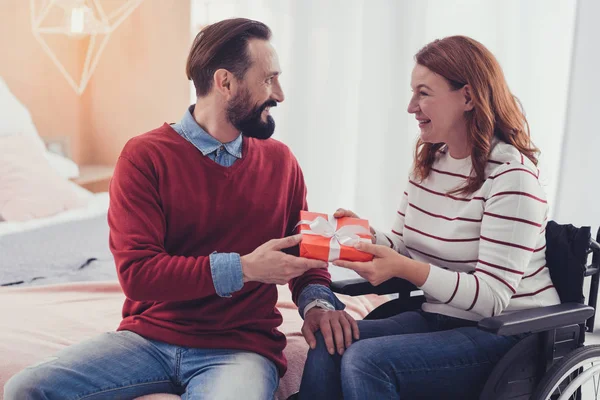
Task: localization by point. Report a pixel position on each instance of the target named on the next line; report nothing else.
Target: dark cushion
(566, 257)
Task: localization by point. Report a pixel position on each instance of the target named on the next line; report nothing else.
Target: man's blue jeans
(124, 365)
(413, 355)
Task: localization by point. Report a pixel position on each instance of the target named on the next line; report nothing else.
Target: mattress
(70, 246)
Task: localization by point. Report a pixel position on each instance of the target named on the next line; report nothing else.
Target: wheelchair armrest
(359, 286)
(537, 319)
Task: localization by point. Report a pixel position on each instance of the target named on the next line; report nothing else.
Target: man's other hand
(337, 327)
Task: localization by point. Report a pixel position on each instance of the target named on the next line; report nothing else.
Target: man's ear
(223, 82)
(466, 91)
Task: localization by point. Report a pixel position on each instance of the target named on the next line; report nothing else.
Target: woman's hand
(340, 213)
(386, 264)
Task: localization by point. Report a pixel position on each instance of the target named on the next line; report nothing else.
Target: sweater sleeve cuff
(440, 283)
(315, 291)
(226, 270)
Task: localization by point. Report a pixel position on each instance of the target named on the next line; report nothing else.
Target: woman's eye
(423, 94)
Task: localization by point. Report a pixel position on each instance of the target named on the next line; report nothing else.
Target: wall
(33, 78)
(579, 188)
(139, 82)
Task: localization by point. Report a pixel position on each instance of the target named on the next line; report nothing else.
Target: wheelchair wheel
(576, 376)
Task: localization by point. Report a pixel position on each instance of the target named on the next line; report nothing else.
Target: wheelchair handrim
(580, 364)
(579, 382)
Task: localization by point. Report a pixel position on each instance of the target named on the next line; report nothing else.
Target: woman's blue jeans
(412, 355)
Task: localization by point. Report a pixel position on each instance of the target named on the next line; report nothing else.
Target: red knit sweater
(170, 208)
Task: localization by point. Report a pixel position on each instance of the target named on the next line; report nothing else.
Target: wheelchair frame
(554, 333)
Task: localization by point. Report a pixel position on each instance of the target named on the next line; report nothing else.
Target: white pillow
(15, 119)
(29, 188)
(64, 166)
(81, 193)
(14, 116)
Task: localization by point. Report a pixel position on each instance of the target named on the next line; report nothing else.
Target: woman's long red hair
(496, 112)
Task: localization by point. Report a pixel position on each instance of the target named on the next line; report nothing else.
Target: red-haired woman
(469, 232)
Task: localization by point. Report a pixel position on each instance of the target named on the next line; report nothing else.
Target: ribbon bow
(344, 236)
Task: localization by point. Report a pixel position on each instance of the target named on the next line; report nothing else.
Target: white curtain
(579, 190)
(346, 74)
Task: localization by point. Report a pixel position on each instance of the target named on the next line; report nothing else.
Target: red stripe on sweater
(389, 240)
(449, 173)
(476, 293)
(513, 219)
(534, 293)
(497, 278)
(397, 233)
(441, 259)
(522, 161)
(404, 215)
(442, 216)
(440, 238)
(514, 271)
(536, 272)
(455, 288)
(444, 194)
(518, 246)
(406, 194)
(495, 162)
(512, 170)
(540, 249)
(520, 194)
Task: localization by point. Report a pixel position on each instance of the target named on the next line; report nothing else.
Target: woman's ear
(466, 90)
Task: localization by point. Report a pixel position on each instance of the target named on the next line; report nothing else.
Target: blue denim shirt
(226, 268)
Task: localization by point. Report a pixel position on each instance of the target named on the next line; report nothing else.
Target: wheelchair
(551, 362)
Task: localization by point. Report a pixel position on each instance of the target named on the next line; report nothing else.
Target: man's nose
(278, 95)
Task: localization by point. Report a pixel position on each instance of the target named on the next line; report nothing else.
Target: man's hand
(267, 264)
(337, 328)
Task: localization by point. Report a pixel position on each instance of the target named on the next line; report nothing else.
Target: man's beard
(249, 121)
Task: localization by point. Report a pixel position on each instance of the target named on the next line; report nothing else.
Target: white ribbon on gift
(344, 236)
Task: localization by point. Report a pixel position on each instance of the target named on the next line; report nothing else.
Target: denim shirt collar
(204, 141)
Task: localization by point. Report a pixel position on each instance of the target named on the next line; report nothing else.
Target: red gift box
(327, 238)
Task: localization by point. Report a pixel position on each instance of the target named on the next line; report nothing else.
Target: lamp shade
(82, 21)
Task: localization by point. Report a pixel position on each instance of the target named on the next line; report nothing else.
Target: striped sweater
(486, 250)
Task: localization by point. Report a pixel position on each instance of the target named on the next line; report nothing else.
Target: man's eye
(423, 93)
(270, 80)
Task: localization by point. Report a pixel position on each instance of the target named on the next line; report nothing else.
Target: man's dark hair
(223, 44)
